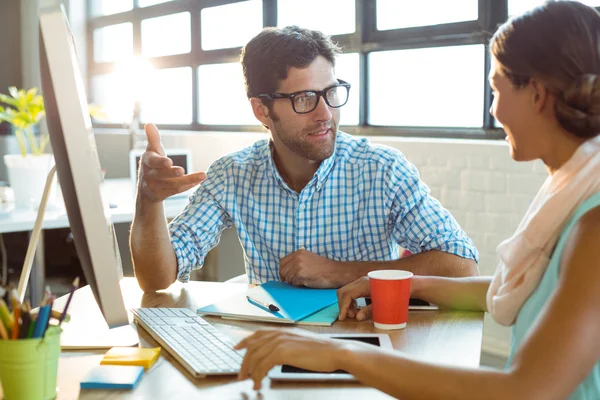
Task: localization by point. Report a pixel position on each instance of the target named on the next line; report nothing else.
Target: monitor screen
(77, 164)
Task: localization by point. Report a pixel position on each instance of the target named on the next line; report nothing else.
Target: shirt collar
(318, 179)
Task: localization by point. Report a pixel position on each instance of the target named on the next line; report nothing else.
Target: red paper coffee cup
(390, 293)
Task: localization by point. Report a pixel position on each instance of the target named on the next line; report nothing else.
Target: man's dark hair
(267, 58)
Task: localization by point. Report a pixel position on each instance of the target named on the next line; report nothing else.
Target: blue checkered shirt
(362, 203)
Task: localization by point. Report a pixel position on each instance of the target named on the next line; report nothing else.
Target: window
(412, 88)
(347, 69)
(167, 97)
(417, 68)
(231, 25)
(109, 7)
(106, 90)
(222, 96)
(148, 3)
(516, 7)
(113, 43)
(163, 36)
(394, 14)
(330, 17)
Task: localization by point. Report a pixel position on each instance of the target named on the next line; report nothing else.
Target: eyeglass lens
(307, 101)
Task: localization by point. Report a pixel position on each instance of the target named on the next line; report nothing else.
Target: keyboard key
(202, 347)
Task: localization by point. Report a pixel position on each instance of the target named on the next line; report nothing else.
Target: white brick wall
(477, 181)
(486, 191)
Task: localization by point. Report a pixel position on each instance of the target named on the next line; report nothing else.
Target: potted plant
(26, 171)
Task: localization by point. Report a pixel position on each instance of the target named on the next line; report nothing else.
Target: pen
(41, 321)
(16, 304)
(74, 287)
(269, 306)
(6, 317)
(26, 318)
(3, 332)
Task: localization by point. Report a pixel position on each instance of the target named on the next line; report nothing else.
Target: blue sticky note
(112, 377)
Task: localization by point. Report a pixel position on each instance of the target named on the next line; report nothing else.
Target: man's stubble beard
(301, 147)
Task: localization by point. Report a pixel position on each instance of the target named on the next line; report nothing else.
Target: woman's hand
(347, 295)
(266, 349)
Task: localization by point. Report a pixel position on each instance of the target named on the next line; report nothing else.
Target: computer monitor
(78, 166)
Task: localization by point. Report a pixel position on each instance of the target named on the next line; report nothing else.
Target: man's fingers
(284, 264)
(164, 173)
(153, 159)
(153, 136)
(364, 313)
(176, 182)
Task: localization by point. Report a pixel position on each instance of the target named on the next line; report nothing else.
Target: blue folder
(295, 305)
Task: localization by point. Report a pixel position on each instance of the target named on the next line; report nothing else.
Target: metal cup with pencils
(30, 347)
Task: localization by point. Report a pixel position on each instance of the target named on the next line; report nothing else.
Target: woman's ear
(261, 112)
(540, 95)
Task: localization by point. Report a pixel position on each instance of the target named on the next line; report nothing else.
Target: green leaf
(9, 100)
(31, 94)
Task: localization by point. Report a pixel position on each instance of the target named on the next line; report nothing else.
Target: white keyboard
(197, 345)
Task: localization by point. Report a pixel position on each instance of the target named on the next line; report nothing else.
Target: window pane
(113, 43)
(517, 7)
(333, 17)
(108, 93)
(108, 7)
(440, 86)
(222, 96)
(147, 3)
(231, 25)
(347, 68)
(163, 36)
(167, 98)
(394, 14)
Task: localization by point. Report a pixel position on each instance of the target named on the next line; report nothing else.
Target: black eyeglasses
(306, 101)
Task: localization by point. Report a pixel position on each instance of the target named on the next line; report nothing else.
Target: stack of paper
(298, 305)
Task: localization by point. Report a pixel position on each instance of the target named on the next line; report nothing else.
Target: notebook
(112, 377)
(296, 304)
(143, 357)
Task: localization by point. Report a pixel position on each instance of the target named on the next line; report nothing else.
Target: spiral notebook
(297, 305)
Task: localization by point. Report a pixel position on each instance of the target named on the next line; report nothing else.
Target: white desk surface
(117, 191)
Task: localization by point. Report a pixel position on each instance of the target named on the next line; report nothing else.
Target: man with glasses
(312, 206)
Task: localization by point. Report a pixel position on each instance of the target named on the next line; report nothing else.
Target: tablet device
(289, 373)
(413, 304)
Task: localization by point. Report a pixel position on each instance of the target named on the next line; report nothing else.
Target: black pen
(271, 307)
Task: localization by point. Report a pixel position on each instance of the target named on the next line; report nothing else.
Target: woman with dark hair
(544, 75)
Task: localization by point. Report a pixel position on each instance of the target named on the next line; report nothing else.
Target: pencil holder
(28, 367)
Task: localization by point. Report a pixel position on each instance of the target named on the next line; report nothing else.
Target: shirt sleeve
(198, 228)
(420, 223)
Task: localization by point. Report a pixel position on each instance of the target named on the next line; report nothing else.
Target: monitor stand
(91, 332)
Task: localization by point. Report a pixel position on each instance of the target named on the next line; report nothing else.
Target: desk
(450, 337)
(117, 191)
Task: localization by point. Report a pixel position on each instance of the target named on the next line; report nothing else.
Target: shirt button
(302, 206)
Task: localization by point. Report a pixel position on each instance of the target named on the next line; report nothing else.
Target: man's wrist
(347, 272)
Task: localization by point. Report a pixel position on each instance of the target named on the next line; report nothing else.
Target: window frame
(364, 40)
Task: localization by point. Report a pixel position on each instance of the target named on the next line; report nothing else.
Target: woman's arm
(458, 293)
(557, 355)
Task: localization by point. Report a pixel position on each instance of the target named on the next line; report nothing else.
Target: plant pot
(27, 177)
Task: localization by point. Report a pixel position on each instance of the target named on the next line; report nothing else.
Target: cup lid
(390, 274)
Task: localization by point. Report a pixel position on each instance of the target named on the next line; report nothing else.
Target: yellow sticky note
(142, 356)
